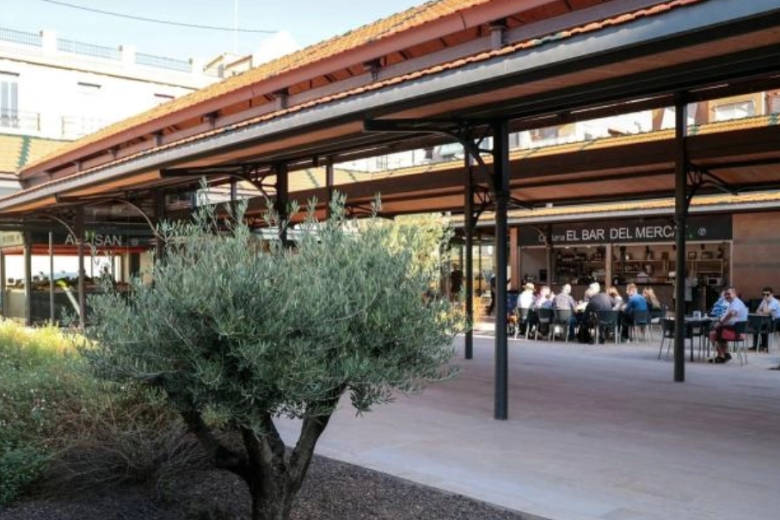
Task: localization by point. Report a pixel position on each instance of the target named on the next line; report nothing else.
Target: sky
(295, 23)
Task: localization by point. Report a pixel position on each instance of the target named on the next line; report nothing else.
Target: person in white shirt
(770, 306)
(724, 328)
(526, 298)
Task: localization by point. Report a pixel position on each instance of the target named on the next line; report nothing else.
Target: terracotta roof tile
(229, 84)
(397, 23)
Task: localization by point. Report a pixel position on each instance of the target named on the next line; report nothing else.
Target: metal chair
(667, 332)
(563, 319)
(641, 320)
(522, 321)
(738, 345)
(656, 317)
(606, 320)
(758, 325)
(544, 317)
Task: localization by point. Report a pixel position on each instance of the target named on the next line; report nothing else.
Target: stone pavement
(595, 432)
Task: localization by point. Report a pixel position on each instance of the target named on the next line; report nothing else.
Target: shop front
(39, 270)
(639, 251)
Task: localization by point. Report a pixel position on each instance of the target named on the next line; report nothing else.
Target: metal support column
(233, 196)
(159, 215)
(3, 286)
(82, 272)
(681, 213)
(282, 198)
(51, 277)
(329, 185)
(548, 247)
(468, 271)
(28, 278)
(501, 196)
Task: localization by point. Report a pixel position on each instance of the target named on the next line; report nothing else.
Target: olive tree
(238, 332)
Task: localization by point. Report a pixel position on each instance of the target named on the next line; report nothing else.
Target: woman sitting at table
(617, 300)
(653, 304)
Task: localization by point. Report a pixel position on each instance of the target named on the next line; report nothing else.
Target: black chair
(667, 332)
(656, 317)
(563, 319)
(606, 320)
(738, 345)
(757, 325)
(641, 320)
(544, 317)
(522, 322)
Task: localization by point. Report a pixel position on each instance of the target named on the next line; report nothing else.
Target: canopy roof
(555, 61)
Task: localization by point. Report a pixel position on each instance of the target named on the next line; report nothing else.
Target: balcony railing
(23, 38)
(26, 121)
(74, 127)
(162, 62)
(87, 49)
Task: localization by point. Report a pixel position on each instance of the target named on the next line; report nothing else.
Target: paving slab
(594, 432)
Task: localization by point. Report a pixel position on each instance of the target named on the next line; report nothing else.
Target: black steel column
(468, 269)
(282, 197)
(681, 213)
(159, 215)
(51, 277)
(82, 271)
(233, 196)
(3, 296)
(329, 184)
(501, 179)
(28, 278)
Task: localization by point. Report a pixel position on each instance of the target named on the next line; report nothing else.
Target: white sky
(300, 22)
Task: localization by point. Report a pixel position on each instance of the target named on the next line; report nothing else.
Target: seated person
(720, 307)
(597, 301)
(526, 298)
(653, 304)
(770, 306)
(617, 300)
(564, 302)
(723, 329)
(635, 303)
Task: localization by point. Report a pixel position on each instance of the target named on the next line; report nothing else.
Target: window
(774, 104)
(542, 134)
(9, 100)
(735, 111)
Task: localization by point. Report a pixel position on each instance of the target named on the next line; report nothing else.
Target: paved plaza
(595, 432)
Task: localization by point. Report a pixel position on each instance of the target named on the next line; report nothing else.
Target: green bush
(18, 468)
(60, 423)
(38, 382)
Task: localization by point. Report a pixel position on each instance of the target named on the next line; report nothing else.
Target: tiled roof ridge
(281, 65)
(484, 56)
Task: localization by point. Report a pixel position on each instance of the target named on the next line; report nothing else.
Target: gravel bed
(332, 491)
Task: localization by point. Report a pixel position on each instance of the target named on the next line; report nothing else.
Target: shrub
(60, 423)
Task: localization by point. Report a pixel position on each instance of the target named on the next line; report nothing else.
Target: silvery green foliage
(240, 329)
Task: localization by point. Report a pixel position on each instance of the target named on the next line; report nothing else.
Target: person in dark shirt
(597, 301)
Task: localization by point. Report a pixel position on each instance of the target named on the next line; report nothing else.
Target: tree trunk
(275, 506)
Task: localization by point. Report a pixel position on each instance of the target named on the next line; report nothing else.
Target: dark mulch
(333, 490)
